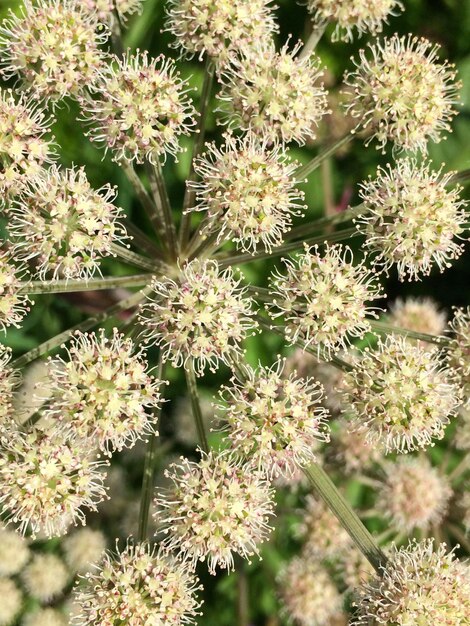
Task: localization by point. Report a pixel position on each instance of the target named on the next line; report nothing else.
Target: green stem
(141, 240)
(325, 487)
(196, 407)
(93, 284)
(149, 468)
(460, 177)
(387, 329)
(135, 259)
(90, 322)
(313, 40)
(189, 195)
(243, 601)
(308, 168)
(325, 222)
(162, 200)
(237, 259)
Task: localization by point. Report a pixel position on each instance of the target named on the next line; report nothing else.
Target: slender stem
(143, 241)
(308, 168)
(160, 192)
(92, 284)
(237, 259)
(384, 328)
(243, 601)
(460, 177)
(133, 258)
(206, 246)
(55, 342)
(332, 220)
(460, 535)
(345, 514)
(313, 40)
(196, 407)
(198, 146)
(146, 201)
(149, 467)
(460, 469)
(116, 35)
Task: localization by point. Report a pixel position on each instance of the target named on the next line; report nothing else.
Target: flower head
(352, 448)
(47, 480)
(45, 617)
(274, 420)
(215, 508)
(412, 218)
(308, 595)
(420, 584)
(102, 390)
(9, 381)
(64, 224)
(217, 27)
(322, 298)
(83, 548)
(248, 190)
(401, 394)
(12, 600)
(203, 315)
(459, 350)
(13, 304)
(349, 15)
(401, 94)
(137, 586)
(52, 46)
(139, 108)
(322, 533)
(421, 315)
(14, 550)
(105, 9)
(24, 147)
(414, 494)
(45, 576)
(275, 95)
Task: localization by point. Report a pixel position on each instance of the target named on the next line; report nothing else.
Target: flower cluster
(13, 303)
(401, 94)
(323, 535)
(137, 586)
(102, 390)
(412, 219)
(139, 108)
(215, 508)
(402, 394)
(52, 47)
(421, 315)
(420, 583)
(204, 316)
(63, 224)
(105, 8)
(274, 420)
(248, 190)
(459, 350)
(9, 380)
(322, 298)
(24, 146)
(276, 95)
(47, 480)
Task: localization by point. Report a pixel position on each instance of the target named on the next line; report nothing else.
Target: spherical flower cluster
(322, 298)
(14, 550)
(308, 595)
(45, 577)
(420, 584)
(363, 15)
(64, 224)
(9, 380)
(105, 8)
(83, 548)
(352, 449)
(46, 480)
(323, 535)
(102, 390)
(139, 109)
(459, 350)
(12, 600)
(138, 586)
(401, 93)
(274, 420)
(45, 617)
(353, 569)
(412, 218)
(248, 190)
(421, 315)
(217, 27)
(276, 95)
(24, 149)
(52, 46)
(215, 508)
(414, 495)
(462, 432)
(13, 304)
(203, 315)
(402, 394)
